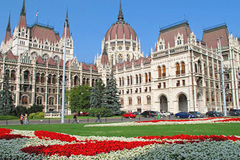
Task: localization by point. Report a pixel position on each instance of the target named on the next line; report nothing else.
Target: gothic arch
(182, 102)
(163, 102)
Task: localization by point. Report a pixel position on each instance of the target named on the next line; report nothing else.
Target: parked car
(234, 112)
(129, 115)
(148, 113)
(184, 115)
(214, 114)
(196, 114)
(137, 113)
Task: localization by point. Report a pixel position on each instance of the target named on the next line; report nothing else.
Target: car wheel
(178, 117)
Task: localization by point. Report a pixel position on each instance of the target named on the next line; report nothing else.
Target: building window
(146, 77)
(159, 72)
(183, 82)
(140, 78)
(150, 89)
(148, 99)
(130, 101)
(164, 71)
(159, 85)
(136, 79)
(183, 68)
(128, 80)
(140, 90)
(24, 100)
(178, 83)
(177, 69)
(164, 84)
(51, 101)
(39, 100)
(122, 101)
(138, 100)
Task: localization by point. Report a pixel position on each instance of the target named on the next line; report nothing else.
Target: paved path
(85, 120)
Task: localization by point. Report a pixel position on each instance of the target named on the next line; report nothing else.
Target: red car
(129, 115)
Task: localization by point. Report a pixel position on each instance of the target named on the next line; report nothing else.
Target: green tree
(79, 98)
(97, 95)
(35, 108)
(6, 101)
(111, 97)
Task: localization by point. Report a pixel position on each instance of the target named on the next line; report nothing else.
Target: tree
(97, 95)
(79, 98)
(111, 97)
(6, 101)
(35, 108)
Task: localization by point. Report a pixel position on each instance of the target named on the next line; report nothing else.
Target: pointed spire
(22, 21)
(120, 15)
(104, 59)
(8, 31)
(68, 29)
(23, 12)
(9, 26)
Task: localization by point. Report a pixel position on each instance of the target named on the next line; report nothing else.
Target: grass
(133, 131)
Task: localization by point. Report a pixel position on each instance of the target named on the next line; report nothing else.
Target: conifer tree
(6, 101)
(111, 97)
(97, 95)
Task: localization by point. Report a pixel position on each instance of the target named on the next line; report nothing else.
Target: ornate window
(37, 78)
(159, 72)
(55, 59)
(130, 101)
(39, 100)
(148, 99)
(177, 69)
(138, 100)
(24, 100)
(120, 58)
(45, 58)
(51, 101)
(13, 75)
(179, 40)
(183, 68)
(164, 71)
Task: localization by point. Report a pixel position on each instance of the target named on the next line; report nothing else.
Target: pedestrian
(75, 118)
(98, 117)
(21, 118)
(26, 119)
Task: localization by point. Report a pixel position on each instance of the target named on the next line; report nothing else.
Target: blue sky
(90, 19)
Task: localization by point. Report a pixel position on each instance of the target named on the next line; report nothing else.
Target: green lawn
(133, 131)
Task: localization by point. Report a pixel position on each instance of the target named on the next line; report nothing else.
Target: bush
(104, 112)
(8, 117)
(38, 115)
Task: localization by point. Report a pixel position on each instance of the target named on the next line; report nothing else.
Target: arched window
(54, 79)
(128, 58)
(55, 59)
(136, 79)
(148, 99)
(49, 78)
(128, 80)
(164, 71)
(7, 72)
(26, 76)
(13, 75)
(149, 77)
(177, 69)
(120, 58)
(37, 78)
(146, 77)
(140, 78)
(42, 78)
(120, 82)
(45, 58)
(159, 72)
(24, 100)
(84, 81)
(75, 82)
(130, 101)
(131, 80)
(51, 101)
(122, 101)
(138, 100)
(183, 68)
(39, 100)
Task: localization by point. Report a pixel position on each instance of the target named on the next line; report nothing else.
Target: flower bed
(170, 122)
(51, 145)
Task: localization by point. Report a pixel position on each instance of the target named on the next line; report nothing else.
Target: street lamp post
(63, 82)
(223, 84)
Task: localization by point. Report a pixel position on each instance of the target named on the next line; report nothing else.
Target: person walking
(21, 118)
(98, 117)
(26, 119)
(75, 118)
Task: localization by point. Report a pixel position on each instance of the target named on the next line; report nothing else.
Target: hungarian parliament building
(182, 73)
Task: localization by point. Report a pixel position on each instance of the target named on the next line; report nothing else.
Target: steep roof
(168, 33)
(210, 36)
(44, 33)
(22, 20)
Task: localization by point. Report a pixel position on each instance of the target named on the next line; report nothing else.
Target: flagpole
(37, 17)
(63, 82)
